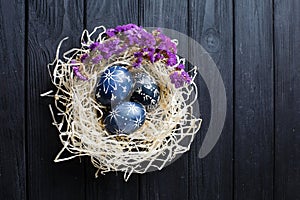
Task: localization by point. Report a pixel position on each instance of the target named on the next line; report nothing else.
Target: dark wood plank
(112, 185)
(12, 90)
(287, 99)
(254, 110)
(172, 181)
(49, 22)
(210, 24)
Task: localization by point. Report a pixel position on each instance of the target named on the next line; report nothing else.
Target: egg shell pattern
(146, 91)
(114, 85)
(125, 118)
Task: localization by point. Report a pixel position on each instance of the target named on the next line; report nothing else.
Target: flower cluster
(146, 47)
(113, 31)
(179, 78)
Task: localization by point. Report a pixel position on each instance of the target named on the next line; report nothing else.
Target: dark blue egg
(146, 91)
(125, 118)
(114, 85)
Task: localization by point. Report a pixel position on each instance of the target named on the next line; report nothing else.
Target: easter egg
(114, 85)
(125, 118)
(146, 91)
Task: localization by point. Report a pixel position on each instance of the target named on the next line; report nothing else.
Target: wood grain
(172, 181)
(287, 99)
(210, 24)
(112, 185)
(12, 100)
(254, 111)
(49, 22)
(255, 45)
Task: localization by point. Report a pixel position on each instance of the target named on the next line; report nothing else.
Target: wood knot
(211, 40)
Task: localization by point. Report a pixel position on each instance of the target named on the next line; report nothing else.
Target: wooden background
(256, 46)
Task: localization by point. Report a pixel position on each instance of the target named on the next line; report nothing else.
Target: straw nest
(167, 132)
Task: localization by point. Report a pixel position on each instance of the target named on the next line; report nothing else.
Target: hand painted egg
(125, 118)
(114, 85)
(146, 91)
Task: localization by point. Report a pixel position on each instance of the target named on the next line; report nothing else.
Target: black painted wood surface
(12, 101)
(255, 45)
(47, 23)
(254, 100)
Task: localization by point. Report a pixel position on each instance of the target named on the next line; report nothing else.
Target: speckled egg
(114, 85)
(125, 118)
(146, 91)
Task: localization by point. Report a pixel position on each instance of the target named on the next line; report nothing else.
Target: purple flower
(111, 47)
(138, 54)
(131, 26)
(83, 57)
(116, 41)
(172, 59)
(119, 29)
(186, 77)
(122, 28)
(165, 43)
(151, 57)
(178, 79)
(94, 45)
(77, 72)
(97, 59)
(138, 62)
(105, 49)
(150, 53)
(180, 66)
(110, 32)
(136, 36)
(158, 56)
(151, 46)
(107, 55)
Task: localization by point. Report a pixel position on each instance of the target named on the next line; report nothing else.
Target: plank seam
(274, 95)
(233, 98)
(26, 7)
